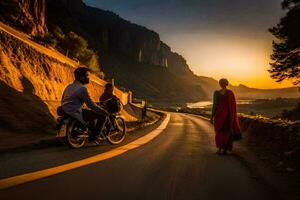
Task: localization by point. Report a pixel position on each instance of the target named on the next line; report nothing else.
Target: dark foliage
(293, 114)
(73, 45)
(286, 47)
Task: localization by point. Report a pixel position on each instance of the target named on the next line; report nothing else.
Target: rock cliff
(134, 55)
(32, 79)
(27, 15)
(112, 34)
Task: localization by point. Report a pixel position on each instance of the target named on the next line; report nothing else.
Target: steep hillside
(133, 55)
(26, 15)
(32, 79)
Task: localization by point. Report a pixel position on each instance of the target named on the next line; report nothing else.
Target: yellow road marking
(16, 180)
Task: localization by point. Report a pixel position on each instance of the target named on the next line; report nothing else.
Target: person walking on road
(224, 117)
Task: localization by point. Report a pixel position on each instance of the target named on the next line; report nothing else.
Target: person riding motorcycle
(107, 94)
(75, 95)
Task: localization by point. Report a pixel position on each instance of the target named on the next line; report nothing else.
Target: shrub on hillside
(73, 46)
(47, 39)
(76, 46)
(293, 114)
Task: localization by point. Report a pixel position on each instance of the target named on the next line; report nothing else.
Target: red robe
(226, 120)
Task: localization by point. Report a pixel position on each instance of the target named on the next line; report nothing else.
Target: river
(206, 104)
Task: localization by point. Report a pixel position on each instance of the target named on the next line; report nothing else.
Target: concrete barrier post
(130, 97)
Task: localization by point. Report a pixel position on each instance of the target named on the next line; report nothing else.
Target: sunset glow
(217, 38)
(242, 61)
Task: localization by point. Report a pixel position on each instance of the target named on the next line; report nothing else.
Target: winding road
(180, 163)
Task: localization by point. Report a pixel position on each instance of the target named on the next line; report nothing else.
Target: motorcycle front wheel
(117, 134)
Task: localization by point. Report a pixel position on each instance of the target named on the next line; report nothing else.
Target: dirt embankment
(276, 142)
(31, 86)
(28, 80)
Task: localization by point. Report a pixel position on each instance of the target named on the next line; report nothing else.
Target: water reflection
(207, 104)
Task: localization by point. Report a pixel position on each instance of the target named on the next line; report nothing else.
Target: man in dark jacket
(75, 95)
(107, 94)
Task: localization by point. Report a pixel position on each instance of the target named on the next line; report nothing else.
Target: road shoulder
(16, 163)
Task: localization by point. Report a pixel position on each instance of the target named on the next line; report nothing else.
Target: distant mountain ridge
(244, 92)
(133, 55)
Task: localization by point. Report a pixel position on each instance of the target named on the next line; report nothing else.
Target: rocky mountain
(26, 15)
(131, 54)
(108, 33)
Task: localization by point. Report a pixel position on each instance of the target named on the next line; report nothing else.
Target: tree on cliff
(76, 47)
(286, 47)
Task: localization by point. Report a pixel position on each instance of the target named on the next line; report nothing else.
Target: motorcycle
(76, 135)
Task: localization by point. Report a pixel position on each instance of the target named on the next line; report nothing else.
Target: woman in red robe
(224, 117)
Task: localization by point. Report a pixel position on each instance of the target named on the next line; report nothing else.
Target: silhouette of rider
(107, 94)
(75, 96)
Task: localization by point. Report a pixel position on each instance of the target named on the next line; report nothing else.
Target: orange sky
(241, 60)
(217, 38)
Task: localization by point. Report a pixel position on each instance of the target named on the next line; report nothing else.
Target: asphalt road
(180, 163)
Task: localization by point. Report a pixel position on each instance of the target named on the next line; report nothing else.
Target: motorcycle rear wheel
(72, 136)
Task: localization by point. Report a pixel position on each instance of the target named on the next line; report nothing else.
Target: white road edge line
(28, 177)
